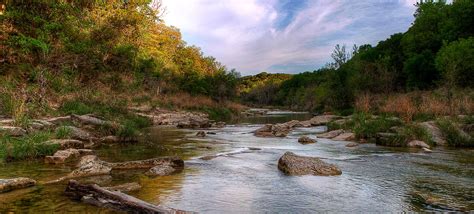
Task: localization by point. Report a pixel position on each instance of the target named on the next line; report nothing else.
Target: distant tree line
(437, 51)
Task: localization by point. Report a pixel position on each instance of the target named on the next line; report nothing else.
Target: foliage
(62, 132)
(456, 60)
(366, 126)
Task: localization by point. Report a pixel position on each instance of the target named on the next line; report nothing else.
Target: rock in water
(162, 170)
(90, 165)
(352, 144)
(7, 185)
(128, 187)
(292, 164)
(418, 144)
(331, 134)
(306, 140)
(63, 156)
(348, 136)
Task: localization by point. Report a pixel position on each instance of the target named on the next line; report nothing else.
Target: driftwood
(98, 196)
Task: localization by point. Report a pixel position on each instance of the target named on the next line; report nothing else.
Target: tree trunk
(98, 196)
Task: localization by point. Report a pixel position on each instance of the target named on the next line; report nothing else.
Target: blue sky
(288, 36)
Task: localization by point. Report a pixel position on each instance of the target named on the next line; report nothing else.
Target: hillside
(57, 54)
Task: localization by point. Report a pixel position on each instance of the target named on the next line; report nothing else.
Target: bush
(415, 132)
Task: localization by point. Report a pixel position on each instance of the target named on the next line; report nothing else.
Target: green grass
(63, 132)
(455, 137)
(365, 126)
(24, 148)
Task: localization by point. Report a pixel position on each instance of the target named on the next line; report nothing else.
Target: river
(244, 178)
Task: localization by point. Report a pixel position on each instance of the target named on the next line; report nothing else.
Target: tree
(456, 63)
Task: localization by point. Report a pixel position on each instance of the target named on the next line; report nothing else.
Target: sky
(284, 36)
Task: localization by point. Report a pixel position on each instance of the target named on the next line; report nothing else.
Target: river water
(244, 178)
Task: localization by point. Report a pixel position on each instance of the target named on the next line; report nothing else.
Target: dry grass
(407, 105)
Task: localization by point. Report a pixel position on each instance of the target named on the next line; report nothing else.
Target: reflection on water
(242, 180)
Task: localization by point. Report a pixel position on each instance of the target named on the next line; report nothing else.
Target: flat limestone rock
(63, 156)
(13, 131)
(348, 136)
(7, 185)
(162, 170)
(66, 143)
(331, 134)
(435, 132)
(292, 164)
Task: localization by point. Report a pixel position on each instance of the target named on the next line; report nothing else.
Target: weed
(455, 136)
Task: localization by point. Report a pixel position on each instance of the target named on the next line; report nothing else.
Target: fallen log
(101, 197)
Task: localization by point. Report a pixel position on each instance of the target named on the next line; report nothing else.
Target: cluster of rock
(91, 165)
(180, 119)
(283, 129)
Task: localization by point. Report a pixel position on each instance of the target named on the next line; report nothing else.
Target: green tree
(456, 63)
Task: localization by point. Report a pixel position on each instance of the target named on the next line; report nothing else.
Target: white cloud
(243, 34)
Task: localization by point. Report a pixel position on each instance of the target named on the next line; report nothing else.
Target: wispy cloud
(284, 35)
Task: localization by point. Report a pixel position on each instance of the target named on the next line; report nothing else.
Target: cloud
(284, 35)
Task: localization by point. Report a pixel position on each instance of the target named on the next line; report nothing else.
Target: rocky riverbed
(231, 169)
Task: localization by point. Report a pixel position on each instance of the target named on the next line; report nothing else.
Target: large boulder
(435, 132)
(13, 131)
(292, 164)
(7, 185)
(347, 136)
(331, 134)
(306, 140)
(66, 143)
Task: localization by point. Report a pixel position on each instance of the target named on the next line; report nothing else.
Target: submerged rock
(201, 134)
(7, 185)
(306, 140)
(292, 164)
(331, 134)
(149, 163)
(128, 187)
(352, 144)
(13, 131)
(162, 170)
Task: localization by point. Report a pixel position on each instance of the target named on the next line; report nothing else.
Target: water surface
(243, 180)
